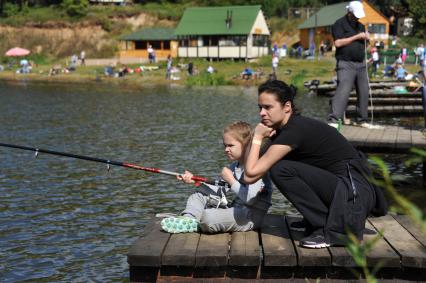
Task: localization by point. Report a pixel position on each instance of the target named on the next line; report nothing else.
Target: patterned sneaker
(180, 224)
(314, 242)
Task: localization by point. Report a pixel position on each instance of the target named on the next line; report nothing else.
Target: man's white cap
(356, 8)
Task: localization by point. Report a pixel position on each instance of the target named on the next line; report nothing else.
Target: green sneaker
(180, 224)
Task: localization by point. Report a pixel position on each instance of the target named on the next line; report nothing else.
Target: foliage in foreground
(359, 250)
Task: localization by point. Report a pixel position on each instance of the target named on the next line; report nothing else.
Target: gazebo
(136, 44)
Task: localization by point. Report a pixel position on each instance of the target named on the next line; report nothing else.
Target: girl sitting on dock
(210, 213)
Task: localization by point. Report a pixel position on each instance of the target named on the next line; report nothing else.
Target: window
(260, 40)
(140, 45)
(377, 28)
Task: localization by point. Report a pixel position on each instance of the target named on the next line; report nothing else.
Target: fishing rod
(197, 179)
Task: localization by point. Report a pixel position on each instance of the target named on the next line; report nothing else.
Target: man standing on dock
(350, 40)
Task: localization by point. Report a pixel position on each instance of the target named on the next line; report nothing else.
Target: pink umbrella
(17, 51)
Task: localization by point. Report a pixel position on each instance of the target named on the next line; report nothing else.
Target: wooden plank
(212, 250)
(382, 252)
(245, 250)
(147, 250)
(341, 257)
(350, 132)
(211, 259)
(360, 137)
(389, 110)
(412, 228)
(308, 257)
(403, 138)
(418, 139)
(389, 137)
(181, 249)
(278, 249)
(412, 252)
(374, 136)
(391, 101)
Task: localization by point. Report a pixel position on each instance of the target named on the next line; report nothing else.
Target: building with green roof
(318, 27)
(223, 32)
(162, 40)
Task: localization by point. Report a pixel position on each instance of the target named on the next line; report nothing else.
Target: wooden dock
(327, 88)
(273, 252)
(390, 110)
(390, 139)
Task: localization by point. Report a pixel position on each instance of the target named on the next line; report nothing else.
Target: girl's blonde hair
(239, 130)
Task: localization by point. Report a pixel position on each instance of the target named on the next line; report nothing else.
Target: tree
(417, 10)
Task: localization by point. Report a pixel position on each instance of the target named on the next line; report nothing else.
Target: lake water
(68, 220)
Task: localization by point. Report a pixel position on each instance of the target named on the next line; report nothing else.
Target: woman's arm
(256, 167)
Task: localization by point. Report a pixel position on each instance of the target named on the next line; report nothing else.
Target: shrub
(76, 8)
(10, 9)
(206, 79)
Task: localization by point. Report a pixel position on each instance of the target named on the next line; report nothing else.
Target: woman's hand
(263, 131)
(186, 177)
(227, 175)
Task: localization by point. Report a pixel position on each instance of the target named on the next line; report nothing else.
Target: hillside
(50, 37)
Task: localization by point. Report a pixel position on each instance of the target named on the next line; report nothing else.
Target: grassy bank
(294, 71)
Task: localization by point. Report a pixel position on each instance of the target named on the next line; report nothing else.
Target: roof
(326, 16)
(211, 20)
(151, 34)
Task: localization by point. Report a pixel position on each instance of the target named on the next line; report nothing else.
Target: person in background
(190, 68)
(393, 43)
(275, 49)
(210, 69)
(247, 73)
(169, 67)
(375, 60)
(350, 39)
(299, 51)
(424, 76)
(400, 72)
(83, 58)
(322, 48)
(404, 54)
(314, 167)
(421, 53)
(206, 210)
(151, 54)
(283, 51)
(275, 62)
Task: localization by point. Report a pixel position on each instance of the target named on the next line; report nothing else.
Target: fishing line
(368, 83)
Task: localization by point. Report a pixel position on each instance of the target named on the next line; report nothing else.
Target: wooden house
(223, 32)
(318, 27)
(135, 45)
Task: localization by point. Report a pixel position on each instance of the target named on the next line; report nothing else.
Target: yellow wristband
(259, 142)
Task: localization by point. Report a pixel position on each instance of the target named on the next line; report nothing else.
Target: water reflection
(64, 219)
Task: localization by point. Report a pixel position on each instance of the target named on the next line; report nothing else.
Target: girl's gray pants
(213, 220)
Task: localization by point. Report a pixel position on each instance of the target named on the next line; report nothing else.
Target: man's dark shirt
(344, 28)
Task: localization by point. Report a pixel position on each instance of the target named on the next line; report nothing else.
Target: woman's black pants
(310, 189)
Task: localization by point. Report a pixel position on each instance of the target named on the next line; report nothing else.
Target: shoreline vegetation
(290, 70)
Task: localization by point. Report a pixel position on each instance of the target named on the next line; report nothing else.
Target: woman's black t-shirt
(315, 143)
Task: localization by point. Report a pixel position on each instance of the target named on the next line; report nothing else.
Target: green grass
(227, 72)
